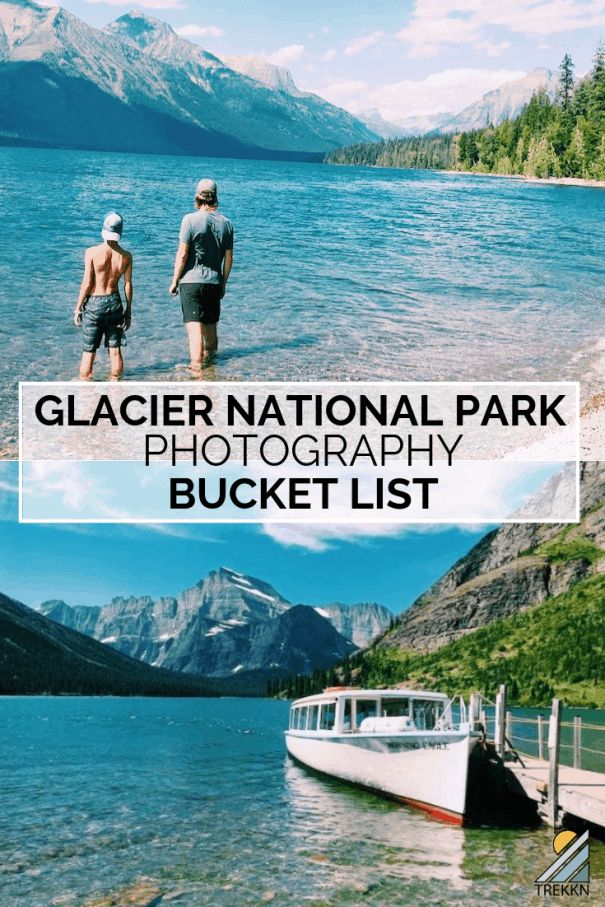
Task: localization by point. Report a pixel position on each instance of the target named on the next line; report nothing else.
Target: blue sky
(88, 564)
(404, 58)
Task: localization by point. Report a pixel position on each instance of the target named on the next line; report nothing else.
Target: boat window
(302, 721)
(312, 718)
(327, 716)
(294, 718)
(426, 714)
(365, 708)
(346, 715)
(395, 708)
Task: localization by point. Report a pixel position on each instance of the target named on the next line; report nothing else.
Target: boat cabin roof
(333, 693)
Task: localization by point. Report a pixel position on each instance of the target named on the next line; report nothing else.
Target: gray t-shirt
(209, 235)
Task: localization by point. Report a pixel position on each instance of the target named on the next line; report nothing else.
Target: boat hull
(429, 772)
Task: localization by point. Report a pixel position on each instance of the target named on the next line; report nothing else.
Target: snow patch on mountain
(225, 620)
(249, 588)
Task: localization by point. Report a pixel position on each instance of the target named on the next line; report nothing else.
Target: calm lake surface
(198, 797)
(340, 273)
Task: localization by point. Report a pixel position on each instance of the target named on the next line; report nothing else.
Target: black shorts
(201, 302)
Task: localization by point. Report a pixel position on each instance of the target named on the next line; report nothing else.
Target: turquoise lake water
(340, 273)
(199, 798)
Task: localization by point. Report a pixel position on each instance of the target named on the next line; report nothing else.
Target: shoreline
(585, 364)
(541, 180)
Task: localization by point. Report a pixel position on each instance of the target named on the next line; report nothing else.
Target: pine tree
(566, 84)
(597, 170)
(596, 103)
(575, 156)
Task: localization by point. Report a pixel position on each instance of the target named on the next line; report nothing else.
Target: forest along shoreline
(558, 138)
(576, 181)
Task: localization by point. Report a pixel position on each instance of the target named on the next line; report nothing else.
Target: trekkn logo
(570, 872)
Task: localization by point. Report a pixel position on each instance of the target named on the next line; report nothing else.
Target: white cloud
(200, 31)
(435, 24)
(342, 91)
(285, 55)
(143, 4)
(362, 43)
(320, 537)
(476, 494)
(9, 487)
(329, 55)
(448, 90)
(493, 49)
(66, 480)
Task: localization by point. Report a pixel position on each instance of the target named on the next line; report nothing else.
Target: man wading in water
(99, 310)
(201, 270)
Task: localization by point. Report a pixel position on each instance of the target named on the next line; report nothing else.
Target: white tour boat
(404, 744)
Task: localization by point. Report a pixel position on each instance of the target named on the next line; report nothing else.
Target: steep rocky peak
(144, 30)
(122, 601)
(19, 19)
(157, 39)
(52, 603)
(276, 77)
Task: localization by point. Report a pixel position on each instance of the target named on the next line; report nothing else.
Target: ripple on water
(340, 273)
(195, 798)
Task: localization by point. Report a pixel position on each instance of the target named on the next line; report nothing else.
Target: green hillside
(555, 648)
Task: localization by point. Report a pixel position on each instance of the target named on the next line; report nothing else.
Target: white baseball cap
(205, 186)
(112, 227)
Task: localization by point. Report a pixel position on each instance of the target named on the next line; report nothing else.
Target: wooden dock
(580, 793)
(560, 790)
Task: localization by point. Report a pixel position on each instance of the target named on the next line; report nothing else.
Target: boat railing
(448, 712)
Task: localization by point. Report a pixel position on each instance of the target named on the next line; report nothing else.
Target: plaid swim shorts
(103, 317)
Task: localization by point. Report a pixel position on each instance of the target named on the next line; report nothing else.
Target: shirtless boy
(99, 310)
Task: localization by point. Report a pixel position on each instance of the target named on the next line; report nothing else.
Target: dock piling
(577, 742)
(554, 743)
(500, 730)
(540, 737)
(474, 710)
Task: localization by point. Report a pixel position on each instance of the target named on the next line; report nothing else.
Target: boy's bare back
(108, 264)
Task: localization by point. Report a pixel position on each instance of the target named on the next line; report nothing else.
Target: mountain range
(525, 606)
(503, 103)
(512, 568)
(38, 655)
(138, 86)
(225, 624)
